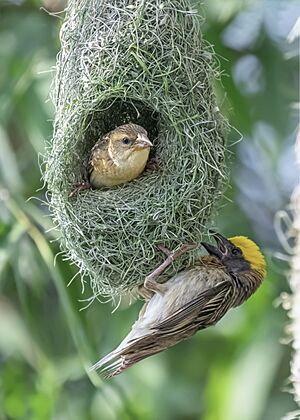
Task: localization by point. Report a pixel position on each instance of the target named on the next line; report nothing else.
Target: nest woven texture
(144, 62)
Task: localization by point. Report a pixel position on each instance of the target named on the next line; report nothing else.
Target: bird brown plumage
(194, 299)
(119, 157)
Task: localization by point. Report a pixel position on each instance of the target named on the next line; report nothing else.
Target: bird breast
(135, 163)
(181, 289)
(107, 172)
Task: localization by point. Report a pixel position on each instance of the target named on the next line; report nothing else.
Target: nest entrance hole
(115, 112)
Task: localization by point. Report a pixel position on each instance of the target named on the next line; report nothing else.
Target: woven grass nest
(142, 62)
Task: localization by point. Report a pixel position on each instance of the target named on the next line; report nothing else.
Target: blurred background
(236, 371)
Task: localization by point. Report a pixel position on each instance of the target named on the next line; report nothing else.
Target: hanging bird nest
(143, 62)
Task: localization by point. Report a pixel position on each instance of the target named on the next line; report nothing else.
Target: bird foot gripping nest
(80, 186)
(150, 284)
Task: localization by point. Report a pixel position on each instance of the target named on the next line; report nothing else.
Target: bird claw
(164, 250)
(176, 254)
(84, 185)
(145, 293)
(150, 281)
(153, 164)
(151, 284)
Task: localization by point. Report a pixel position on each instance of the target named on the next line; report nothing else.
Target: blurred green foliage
(237, 370)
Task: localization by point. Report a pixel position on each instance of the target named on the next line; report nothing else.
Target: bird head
(126, 140)
(238, 254)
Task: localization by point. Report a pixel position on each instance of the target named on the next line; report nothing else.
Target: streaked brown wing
(204, 310)
(98, 150)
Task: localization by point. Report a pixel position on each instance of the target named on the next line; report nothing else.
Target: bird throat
(131, 167)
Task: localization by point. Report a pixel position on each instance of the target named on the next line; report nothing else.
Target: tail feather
(121, 364)
(106, 359)
(113, 369)
(113, 364)
(132, 352)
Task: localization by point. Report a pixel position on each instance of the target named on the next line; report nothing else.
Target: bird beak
(222, 245)
(142, 141)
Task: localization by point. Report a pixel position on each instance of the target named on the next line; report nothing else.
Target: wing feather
(99, 150)
(204, 310)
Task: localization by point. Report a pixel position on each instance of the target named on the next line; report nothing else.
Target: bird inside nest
(193, 299)
(118, 157)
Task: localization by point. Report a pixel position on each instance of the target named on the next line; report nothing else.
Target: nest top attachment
(142, 62)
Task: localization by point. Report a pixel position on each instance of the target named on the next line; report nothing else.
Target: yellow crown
(251, 253)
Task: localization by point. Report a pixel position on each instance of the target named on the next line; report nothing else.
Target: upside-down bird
(192, 300)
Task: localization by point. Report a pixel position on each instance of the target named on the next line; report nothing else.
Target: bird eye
(126, 140)
(235, 251)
